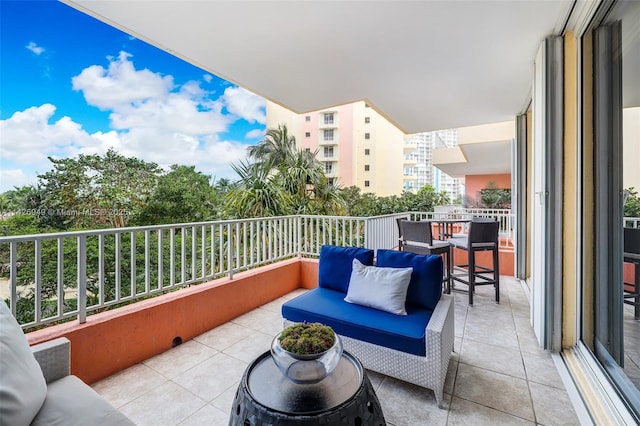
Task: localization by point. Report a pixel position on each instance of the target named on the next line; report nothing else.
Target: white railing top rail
(119, 265)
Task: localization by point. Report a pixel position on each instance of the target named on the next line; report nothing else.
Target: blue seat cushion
(334, 271)
(405, 333)
(425, 287)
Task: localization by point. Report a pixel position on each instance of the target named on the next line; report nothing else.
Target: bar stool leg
(472, 274)
(496, 273)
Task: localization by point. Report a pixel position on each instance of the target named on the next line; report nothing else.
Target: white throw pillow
(22, 385)
(379, 288)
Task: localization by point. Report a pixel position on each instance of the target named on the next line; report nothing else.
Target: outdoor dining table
(446, 225)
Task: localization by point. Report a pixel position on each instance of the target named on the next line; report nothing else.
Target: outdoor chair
(482, 236)
(399, 221)
(632, 255)
(418, 238)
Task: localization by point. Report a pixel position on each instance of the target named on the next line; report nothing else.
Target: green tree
(493, 197)
(181, 195)
(277, 148)
(632, 203)
(258, 193)
(94, 190)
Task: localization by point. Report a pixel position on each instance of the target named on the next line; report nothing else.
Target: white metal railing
(69, 274)
(57, 276)
(631, 222)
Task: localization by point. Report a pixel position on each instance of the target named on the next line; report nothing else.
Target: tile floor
(497, 375)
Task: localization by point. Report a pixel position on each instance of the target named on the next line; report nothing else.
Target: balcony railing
(69, 275)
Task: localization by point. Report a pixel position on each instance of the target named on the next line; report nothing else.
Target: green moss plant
(307, 338)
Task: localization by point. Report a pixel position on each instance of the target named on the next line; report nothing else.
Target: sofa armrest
(54, 358)
(440, 332)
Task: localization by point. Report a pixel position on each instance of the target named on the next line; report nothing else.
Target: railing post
(13, 275)
(299, 235)
(366, 232)
(82, 279)
(230, 250)
(38, 281)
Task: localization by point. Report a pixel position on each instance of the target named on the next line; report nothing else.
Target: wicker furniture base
(304, 404)
(427, 371)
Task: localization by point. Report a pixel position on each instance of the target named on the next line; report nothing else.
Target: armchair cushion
(425, 287)
(379, 288)
(334, 271)
(404, 333)
(22, 385)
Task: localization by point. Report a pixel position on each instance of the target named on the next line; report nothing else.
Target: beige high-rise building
(356, 145)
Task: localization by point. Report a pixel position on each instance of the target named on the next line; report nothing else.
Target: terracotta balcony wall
(117, 339)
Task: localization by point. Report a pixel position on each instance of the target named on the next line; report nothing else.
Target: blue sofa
(414, 347)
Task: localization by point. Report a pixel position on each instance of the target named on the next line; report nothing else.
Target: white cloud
(10, 178)
(255, 134)
(150, 118)
(245, 104)
(28, 137)
(38, 50)
(120, 85)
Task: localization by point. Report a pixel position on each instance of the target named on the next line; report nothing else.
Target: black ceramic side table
(266, 397)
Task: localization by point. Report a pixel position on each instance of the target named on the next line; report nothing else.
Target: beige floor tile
(492, 332)
(552, 406)
(495, 358)
(224, 402)
(168, 404)
(464, 413)
(494, 390)
(275, 306)
(257, 318)
(540, 368)
(180, 359)
(129, 384)
(207, 416)
(451, 377)
(375, 379)
(295, 293)
(220, 338)
(404, 404)
(250, 347)
(211, 378)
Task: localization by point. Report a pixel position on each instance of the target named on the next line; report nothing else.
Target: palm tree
(300, 176)
(257, 194)
(276, 148)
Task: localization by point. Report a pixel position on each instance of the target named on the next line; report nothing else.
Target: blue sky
(72, 85)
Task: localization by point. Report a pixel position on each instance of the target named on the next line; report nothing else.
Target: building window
(307, 134)
(366, 183)
(367, 120)
(331, 181)
(366, 167)
(367, 135)
(328, 151)
(328, 168)
(307, 118)
(328, 118)
(367, 151)
(328, 134)
(307, 150)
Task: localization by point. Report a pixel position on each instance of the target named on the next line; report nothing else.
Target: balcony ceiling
(425, 65)
(475, 159)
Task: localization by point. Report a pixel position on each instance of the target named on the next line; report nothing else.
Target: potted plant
(307, 340)
(306, 352)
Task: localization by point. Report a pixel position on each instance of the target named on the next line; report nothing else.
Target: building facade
(356, 145)
(420, 168)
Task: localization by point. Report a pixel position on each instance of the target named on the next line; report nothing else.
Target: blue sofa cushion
(334, 271)
(405, 333)
(425, 287)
